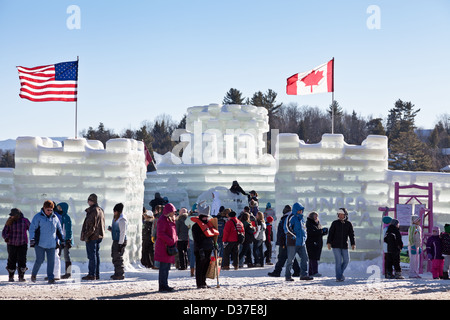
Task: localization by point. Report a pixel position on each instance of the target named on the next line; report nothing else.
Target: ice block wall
(333, 174)
(221, 143)
(70, 171)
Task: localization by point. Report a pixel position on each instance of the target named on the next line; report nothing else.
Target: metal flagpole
(332, 102)
(332, 112)
(76, 103)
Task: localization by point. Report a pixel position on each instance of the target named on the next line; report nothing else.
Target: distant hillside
(10, 144)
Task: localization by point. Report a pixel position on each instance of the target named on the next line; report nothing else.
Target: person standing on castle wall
(237, 189)
(66, 224)
(15, 235)
(414, 246)
(394, 242)
(45, 230)
(445, 240)
(340, 231)
(434, 253)
(183, 238)
(166, 237)
(157, 201)
(147, 243)
(92, 232)
(118, 230)
(314, 242)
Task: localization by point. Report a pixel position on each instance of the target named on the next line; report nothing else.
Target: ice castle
(221, 143)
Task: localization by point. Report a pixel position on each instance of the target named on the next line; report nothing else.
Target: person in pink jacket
(166, 240)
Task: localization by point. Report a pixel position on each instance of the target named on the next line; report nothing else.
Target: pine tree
(233, 96)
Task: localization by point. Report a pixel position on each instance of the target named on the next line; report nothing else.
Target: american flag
(56, 82)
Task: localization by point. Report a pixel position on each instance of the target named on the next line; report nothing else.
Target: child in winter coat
(15, 235)
(269, 239)
(394, 242)
(445, 241)
(118, 233)
(434, 253)
(414, 246)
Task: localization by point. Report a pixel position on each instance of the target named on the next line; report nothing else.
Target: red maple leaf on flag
(313, 79)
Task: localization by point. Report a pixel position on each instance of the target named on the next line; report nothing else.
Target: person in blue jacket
(66, 225)
(295, 229)
(45, 230)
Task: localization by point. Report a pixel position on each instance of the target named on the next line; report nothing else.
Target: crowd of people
(189, 238)
(50, 234)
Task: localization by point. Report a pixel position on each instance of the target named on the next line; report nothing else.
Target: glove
(32, 243)
(68, 244)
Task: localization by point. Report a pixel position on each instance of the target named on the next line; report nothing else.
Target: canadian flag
(317, 80)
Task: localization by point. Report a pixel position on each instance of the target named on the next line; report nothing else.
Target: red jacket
(166, 235)
(229, 231)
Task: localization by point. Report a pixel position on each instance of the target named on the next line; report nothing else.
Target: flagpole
(332, 102)
(332, 112)
(76, 103)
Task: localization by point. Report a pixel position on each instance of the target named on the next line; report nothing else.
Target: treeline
(409, 149)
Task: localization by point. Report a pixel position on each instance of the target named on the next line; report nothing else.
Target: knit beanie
(447, 228)
(394, 222)
(168, 208)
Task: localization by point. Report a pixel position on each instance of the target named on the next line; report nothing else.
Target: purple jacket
(434, 247)
(16, 234)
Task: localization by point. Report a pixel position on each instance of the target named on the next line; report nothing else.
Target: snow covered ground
(363, 282)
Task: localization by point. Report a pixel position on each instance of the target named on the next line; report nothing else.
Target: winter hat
(148, 213)
(415, 218)
(296, 207)
(395, 222)
(287, 208)
(203, 211)
(64, 207)
(447, 228)
(92, 197)
(168, 208)
(386, 219)
(268, 205)
(437, 229)
(15, 212)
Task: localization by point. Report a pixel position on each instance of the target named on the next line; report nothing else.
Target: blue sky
(139, 59)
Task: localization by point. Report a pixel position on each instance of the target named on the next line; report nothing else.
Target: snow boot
(21, 272)
(398, 275)
(11, 274)
(273, 274)
(68, 270)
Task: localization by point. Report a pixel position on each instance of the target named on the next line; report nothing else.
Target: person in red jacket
(230, 241)
(166, 236)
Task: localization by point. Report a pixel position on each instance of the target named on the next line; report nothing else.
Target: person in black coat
(314, 242)
(341, 230)
(394, 242)
(282, 250)
(203, 233)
